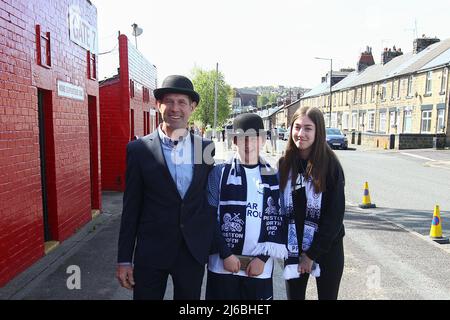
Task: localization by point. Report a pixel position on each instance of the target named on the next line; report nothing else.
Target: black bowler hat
(248, 124)
(176, 84)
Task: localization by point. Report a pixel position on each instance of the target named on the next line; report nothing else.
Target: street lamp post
(136, 32)
(331, 77)
(215, 100)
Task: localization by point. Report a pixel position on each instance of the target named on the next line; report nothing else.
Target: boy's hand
(255, 267)
(232, 264)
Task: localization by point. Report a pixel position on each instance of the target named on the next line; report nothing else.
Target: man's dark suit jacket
(155, 219)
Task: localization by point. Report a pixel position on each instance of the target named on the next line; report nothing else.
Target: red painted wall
(114, 134)
(116, 103)
(68, 153)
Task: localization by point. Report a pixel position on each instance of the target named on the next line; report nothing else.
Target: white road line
(416, 156)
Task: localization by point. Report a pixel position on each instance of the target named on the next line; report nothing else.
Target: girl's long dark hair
(321, 159)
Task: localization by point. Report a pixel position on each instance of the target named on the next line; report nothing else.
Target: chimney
(365, 60)
(389, 54)
(422, 43)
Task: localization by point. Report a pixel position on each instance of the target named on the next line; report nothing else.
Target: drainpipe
(447, 103)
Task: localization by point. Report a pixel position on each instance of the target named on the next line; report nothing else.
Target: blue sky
(261, 42)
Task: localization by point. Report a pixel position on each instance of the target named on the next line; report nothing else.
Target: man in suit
(165, 228)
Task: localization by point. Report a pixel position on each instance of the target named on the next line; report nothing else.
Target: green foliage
(262, 100)
(266, 98)
(204, 84)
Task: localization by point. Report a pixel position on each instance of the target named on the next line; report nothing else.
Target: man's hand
(232, 264)
(125, 276)
(305, 264)
(255, 267)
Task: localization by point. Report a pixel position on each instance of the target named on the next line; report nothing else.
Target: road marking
(416, 156)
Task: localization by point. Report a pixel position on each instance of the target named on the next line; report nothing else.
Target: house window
(131, 88)
(383, 122)
(392, 90)
(43, 50)
(145, 94)
(372, 93)
(334, 120)
(410, 83)
(365, 95)
(371, 120)
(345, 118)
(361, 121)
(428, 82)
(407, 121)
(426, 121)
(444, 80)
(440, 120)
(146, 122)
(398, 88)
(361, 95)
(392, 120)
(383, 91)
(91, 65)
(354, 120)
(132, 125)
(327, 119)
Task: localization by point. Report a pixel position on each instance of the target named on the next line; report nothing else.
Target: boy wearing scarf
(251, 231)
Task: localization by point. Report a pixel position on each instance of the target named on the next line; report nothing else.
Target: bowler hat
(248, 124)
(176, 84)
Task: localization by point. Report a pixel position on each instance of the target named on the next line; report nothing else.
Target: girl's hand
(305, 264)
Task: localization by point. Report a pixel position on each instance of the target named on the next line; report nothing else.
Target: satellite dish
(136, 30)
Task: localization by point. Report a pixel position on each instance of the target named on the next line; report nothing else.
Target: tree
(262, 100)
(203, 81)
(272, 98)
(266, 98)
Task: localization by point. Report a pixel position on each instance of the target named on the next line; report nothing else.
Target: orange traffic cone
(436, 227)
(366, 204)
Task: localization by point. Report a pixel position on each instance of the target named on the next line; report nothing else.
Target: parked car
(282, 133)
(336, 139)
(286, 134)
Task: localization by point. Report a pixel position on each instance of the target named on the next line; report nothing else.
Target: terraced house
(401, 103)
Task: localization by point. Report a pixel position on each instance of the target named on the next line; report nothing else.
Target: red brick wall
(115, 105)
(21, 215)
(114, 135)
(143, 73)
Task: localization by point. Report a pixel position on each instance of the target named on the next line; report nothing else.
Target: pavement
(92, 251)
